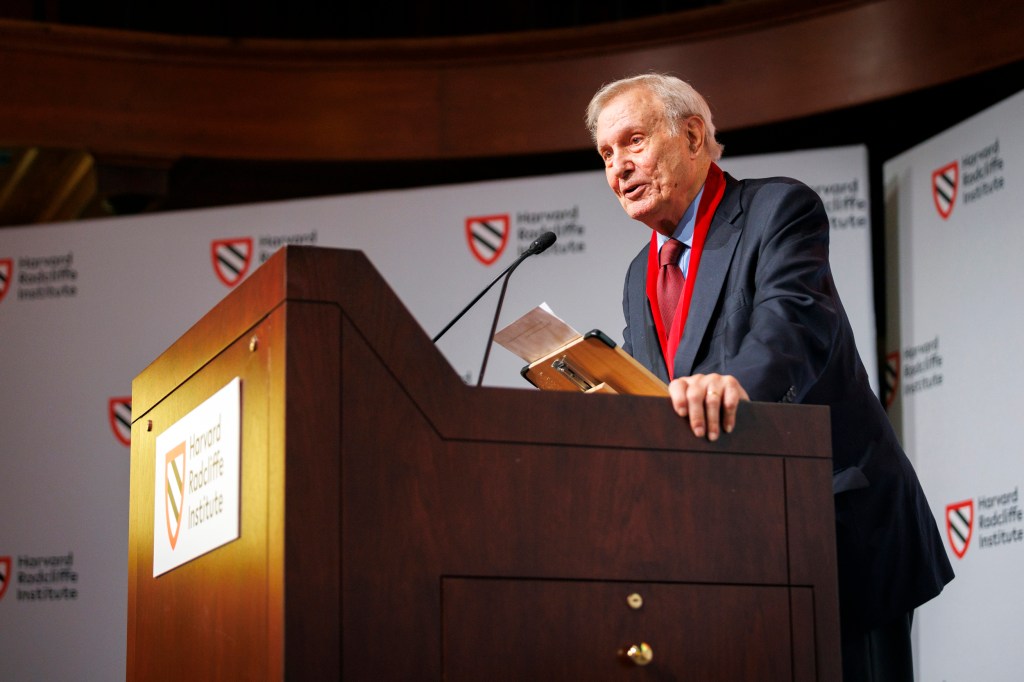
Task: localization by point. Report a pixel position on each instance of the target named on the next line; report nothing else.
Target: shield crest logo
(892, 378)
(231, 259)
(6, 275)
(5, 574)
(944, 186)
(960, 526)
(174, 491)
(119, 412)
(487, 236)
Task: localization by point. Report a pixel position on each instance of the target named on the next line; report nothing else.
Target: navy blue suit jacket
(765, 310)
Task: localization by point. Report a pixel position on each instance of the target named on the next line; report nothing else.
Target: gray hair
(678, 97)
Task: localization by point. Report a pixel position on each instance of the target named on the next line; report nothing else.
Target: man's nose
(621, 165)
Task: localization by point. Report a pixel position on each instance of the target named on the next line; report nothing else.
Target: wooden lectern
(397, 524)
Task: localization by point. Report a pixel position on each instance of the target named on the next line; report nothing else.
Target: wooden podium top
(347, 279)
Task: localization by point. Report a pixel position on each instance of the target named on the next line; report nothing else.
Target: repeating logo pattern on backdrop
(960, 526)
(119, 412)
(40, 278)
(41, 579)
(892, 378)
(487, 236)
(945, 182)
(6, 275)
(174, 494)
(5, 574)
(231, 259)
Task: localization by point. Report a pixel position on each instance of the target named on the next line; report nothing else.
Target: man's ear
(695, 133)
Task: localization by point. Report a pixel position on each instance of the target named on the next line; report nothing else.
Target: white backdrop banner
(84, 307)
(956, 203)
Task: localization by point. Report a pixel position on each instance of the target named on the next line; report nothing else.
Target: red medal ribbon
(714, 188)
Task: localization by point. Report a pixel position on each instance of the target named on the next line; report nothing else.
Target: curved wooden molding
(760, 61)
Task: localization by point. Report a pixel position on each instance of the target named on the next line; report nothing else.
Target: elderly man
(733, 299)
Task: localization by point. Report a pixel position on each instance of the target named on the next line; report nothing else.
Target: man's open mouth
(632, 190)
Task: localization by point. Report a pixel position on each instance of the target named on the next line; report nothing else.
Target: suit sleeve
(627, 336)
(634, 304)
(779, 334)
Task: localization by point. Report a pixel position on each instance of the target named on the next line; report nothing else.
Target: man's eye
(636, 139)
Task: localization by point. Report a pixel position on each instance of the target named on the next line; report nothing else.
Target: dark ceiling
(40, 185)
(43, 185)
(333, 20)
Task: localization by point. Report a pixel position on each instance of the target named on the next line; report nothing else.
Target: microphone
(539, 245)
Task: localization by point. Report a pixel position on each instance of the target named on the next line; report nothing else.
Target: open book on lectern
(559, 358)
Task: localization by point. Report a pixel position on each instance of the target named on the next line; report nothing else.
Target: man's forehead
(631, 107)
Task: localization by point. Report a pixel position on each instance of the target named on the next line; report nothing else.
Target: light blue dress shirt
(684, 232)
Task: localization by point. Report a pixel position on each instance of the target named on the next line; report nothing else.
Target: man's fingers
(730, 403)
(712, 411)
(687, 395)
(695, 407)
(709, 401)
(677, 392)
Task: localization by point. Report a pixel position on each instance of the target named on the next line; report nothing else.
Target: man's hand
(709, 400)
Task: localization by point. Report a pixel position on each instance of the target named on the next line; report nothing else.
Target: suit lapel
(645, 346)
(652, 346)
(723, 236)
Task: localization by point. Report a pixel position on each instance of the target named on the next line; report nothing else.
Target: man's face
(654, 173)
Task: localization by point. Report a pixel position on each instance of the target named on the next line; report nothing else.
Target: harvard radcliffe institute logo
(960, 526)
(487, 236)
(6, 275)
(231, 259)
(174, 491)
(892, 378)
(5, 574)
(944, 185)
(119, 412)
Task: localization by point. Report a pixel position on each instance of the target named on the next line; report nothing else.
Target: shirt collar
(684, 229)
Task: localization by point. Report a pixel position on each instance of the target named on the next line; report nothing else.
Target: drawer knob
(641, 653)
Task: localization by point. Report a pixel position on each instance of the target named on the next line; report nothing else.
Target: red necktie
(670, 279)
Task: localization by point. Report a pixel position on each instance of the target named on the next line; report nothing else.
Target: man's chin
(641, 213)
(636, 210)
